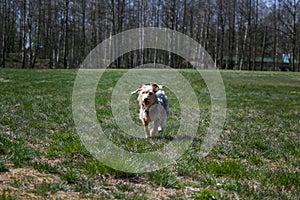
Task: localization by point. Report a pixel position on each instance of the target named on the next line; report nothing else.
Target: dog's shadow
(166, 137)
(163, 137)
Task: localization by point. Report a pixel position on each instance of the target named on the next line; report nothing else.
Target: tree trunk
(30, 35)
(243, 48)
(83, 29)
(23, 22)
(4, 27)
(255, 37)
(263, 49)
(66, 47)
(232, 34)
(275, 42)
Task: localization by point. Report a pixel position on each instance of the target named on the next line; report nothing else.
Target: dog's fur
(154, 107)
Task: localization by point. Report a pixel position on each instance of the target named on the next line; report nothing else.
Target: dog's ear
(137, 91)
(156, 87)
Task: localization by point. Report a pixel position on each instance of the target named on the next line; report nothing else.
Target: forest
(238, 34)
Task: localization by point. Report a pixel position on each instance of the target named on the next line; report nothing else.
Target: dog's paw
(160, 129)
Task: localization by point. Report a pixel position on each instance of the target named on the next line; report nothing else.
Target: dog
(154, 107)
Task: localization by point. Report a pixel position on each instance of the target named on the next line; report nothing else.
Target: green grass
(207, 195)
(7, 197)
(3, 167)
(257, 156)
(164, 178)
(45, 189)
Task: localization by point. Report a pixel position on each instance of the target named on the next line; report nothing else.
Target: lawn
(256, 157)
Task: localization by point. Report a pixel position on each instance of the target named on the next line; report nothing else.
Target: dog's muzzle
(146, 101)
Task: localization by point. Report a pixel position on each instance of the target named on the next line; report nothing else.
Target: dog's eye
(150, 93)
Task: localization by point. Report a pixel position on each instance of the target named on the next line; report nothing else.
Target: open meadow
(256, 157)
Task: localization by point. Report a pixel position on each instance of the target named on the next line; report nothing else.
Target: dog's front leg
(146, 128)
(155, 128)
(162, 123)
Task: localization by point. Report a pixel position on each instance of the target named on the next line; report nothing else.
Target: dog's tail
(163, 100)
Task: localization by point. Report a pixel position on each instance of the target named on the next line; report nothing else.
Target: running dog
(154, 107)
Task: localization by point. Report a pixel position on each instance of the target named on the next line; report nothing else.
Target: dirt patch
(21, 183)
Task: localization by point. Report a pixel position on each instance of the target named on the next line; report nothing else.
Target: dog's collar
(147, 112)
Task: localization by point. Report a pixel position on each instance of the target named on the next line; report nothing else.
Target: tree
(3, 15)
(235, 32)
(24, 31)
(289, 21)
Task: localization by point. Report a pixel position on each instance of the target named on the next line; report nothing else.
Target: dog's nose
(146, 99)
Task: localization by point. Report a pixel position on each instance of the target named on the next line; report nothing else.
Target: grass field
(257, 156)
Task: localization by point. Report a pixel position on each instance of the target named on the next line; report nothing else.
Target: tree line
(238, 34)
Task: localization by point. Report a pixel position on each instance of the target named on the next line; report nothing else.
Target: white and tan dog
(154, 107)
